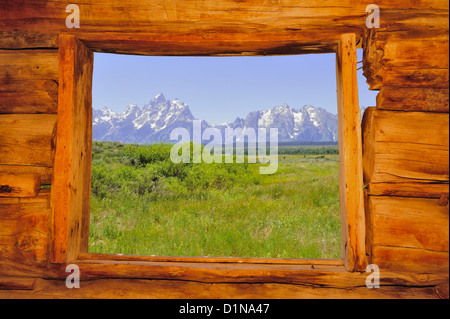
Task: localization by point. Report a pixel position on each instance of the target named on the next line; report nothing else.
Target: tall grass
(146, 205)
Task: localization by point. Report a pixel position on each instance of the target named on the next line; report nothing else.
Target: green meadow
(144, 204)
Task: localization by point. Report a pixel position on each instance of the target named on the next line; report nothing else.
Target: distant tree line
(308, 151)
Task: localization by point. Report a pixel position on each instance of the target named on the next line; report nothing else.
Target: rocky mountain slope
(154, 122)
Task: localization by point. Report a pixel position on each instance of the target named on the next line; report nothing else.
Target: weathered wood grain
(28, 81)
(17, 283)
(410, 259)
(329, 279)
(410, 222)
(414, 77)
(17, 39)
(169, 289)
(411, 189)
(442, 291)
(32, 65)
(414, 58)
(9, 200)
(29, 97)
(208, 27)
(405, 154)
(423, 48)
(408, 234)
(19, 185)
(45, 173)
(302, 274)
(24, 235)
(72, 166)
(27, 139)
(42, 199)
(405, 147)
(413, 99)
(230, 260)
(350, 156)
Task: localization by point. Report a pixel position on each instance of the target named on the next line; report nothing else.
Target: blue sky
(219, 89)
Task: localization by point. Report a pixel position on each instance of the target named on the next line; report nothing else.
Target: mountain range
(155, 120)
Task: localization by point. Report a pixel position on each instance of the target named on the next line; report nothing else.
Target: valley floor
(291, 214)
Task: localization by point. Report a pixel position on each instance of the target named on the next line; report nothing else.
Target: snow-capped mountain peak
(159, 98)
(154, 122)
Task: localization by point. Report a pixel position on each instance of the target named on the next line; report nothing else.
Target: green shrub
(147, 154)
(143, 169)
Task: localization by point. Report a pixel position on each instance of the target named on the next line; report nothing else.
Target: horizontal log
(408, 234)
(405, 147)
(317, 276)
(415, 77)
(17, 283)
(413, 99)
(9, 267)
(30, 257)
(27, 102)
(410, 259)
(425, 53)
(20, 65)
(18, 39)
(24, 237)
(418, 189)
(416, 57)
(9, 200)
(27, 139)
(29, 97)
(231, 260)
(44, 172)
(42, 199)
(217, 272)
(409, 222)
(18, 218)
(19, 185)
(425, 48)
(199, 27)
(329, 280)
(28, 81)
(169, 289)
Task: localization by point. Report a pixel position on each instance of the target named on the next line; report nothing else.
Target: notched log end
(19, 185)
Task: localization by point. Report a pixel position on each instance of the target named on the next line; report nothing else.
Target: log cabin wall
(406, 148)
(405, 137)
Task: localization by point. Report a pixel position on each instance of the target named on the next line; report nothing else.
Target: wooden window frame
(70, 191)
